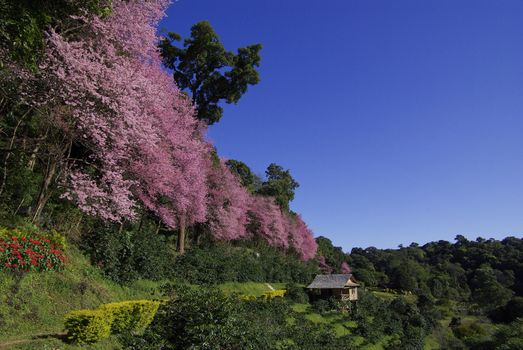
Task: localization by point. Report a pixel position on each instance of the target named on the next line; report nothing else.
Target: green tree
(487, 291)
(209, 72)
(247, 178)
(334, 256)
(280, 185)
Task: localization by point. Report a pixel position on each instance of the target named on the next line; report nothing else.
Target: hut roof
(333, 281)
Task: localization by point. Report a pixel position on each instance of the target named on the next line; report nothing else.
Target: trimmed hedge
(89, 326)
(278, 293)
(131, 316)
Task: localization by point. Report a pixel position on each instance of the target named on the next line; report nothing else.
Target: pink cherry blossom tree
(227, 204)
(302, 238)
(324, 267)
(140, 143)
(345, 268)
(266, 220)
(139, 129)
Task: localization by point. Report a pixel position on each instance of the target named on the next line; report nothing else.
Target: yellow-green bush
(278, 293)
(131, 316)
(88, 326)
(248, 297)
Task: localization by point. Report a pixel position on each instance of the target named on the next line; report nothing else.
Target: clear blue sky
(402, 120)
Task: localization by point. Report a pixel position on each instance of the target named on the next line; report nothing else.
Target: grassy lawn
(249, 288)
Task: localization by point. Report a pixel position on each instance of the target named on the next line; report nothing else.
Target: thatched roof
(333, 281)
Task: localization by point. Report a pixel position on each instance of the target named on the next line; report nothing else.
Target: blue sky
(402, 120)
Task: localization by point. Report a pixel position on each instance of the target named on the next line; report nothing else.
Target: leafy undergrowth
(342, 326)
(57, 344)
(443, 336)
(35, 302)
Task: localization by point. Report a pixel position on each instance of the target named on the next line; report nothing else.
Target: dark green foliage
(204, 318)
(487, 291)
(280, 185)
(22, 24)
(129, 255)
(321, 306)
(486, 272)
(222, 262)
(247, 178)
(334, 256)
(208, 71)
(296, 293)
(509, 312)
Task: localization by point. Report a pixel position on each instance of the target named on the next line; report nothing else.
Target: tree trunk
(158, 227)
(181, 236)
(32, 159)
(45, 194)
(9, 153)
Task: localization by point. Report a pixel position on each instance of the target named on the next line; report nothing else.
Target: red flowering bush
(28, 254)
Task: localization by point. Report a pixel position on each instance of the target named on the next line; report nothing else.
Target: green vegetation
(34, 303)
(248, 288)
(88, 230)
(90, 326)
(241, 262)
(209, 72)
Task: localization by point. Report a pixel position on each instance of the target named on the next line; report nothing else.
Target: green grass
(56, 344)
(248, 288)
(35, 303)
(338, 320)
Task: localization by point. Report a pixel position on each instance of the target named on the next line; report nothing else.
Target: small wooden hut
(341, 286)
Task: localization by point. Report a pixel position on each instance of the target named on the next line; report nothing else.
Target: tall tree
(145, 146)
(247, 178)
(209, 72)
(280, 185)
(227, 204)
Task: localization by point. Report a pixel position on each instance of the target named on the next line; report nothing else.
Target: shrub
(131, 316)
(205, 318)
(88, 326)
(321, 306)
(225, 262)
(130, 255)
(248, 297)
(278, 293)
(296, 293)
